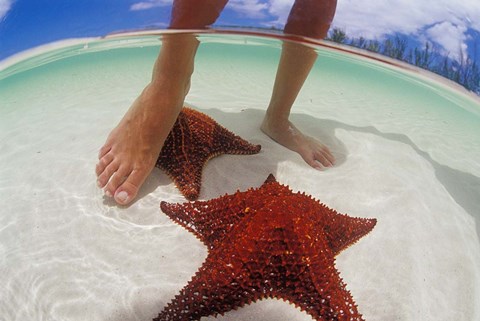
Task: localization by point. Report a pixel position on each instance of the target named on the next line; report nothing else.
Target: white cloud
(263, 9)
(280, 9)
(444, 22)
(250, 8)
(149, 4)
(5, 6)
(451, 37)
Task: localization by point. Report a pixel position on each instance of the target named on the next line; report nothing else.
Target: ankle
(275, 120)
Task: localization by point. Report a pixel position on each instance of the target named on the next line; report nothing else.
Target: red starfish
(194, 139)
(266, 243)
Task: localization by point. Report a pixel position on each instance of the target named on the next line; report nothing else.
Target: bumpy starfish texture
(194, 139)
(267, 242)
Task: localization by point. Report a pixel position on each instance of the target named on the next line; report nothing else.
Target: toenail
(99, 184)
(122, 196)
(108, 193)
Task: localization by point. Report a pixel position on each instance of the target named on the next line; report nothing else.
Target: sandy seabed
(405, 156)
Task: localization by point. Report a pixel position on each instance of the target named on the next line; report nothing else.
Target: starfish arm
(218, 287)
(210, 221)
(336, 301)
(342, 231)
(311, 280)
(324, 297)
(187, 178)
(194, 139)
(314, 285)
(219, 139)
(226, 142)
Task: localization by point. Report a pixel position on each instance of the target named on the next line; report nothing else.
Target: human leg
(294, 67)
(310, 18)
(132, 148)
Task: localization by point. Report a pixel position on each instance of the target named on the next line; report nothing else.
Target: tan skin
(132, 148)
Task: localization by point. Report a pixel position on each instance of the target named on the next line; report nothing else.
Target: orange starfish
(266, 243)
(194, 139)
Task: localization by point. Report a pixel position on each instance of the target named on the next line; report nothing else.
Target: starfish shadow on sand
(463, 187)
(237, 172)
(239, 164)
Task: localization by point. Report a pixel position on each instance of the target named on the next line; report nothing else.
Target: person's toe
(103, 163)
(328, 155)
(104, 150)
(116, 179)
(105, 176)
(322, 158)
(127, 191)
(309, 158)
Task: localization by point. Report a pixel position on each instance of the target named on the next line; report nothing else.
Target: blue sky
(452, 25)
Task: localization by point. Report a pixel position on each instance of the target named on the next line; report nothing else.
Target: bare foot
(285, 133)
(132, 148)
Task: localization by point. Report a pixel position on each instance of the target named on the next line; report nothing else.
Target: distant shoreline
(248, 31)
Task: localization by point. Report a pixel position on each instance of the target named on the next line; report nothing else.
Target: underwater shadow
(463, 187)
(245, 124)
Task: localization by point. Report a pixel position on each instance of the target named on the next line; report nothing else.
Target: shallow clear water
(407, 148)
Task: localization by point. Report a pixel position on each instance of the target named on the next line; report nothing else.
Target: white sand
(68, 253)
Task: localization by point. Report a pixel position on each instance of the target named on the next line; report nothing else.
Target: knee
(311, 18)
(198, 14)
